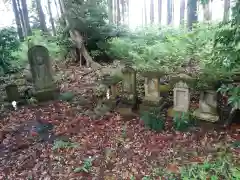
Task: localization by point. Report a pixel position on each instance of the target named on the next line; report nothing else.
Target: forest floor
(113, 147)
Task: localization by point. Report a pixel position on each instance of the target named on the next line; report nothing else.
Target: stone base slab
(205, 116)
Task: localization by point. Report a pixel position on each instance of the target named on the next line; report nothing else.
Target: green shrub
(8, 44)
(153, 121)
(181, 122)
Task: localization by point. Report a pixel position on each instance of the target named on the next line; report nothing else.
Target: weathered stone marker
(207, 106)
(181, 97)
(12, 92)
(41, 69)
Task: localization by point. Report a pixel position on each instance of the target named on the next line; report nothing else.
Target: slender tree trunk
(151, 11)
(145, 12)
(207, 13)
(182, 11)
(159, 11)
(21, 18)
(41, 16)
(60, 7)
(226, 11)
(123, 6)
(118, 13)
(51, 18)
(110, 11)
(192, 13)
(128, 11)
(17, 20)
(57, 9)
(26, 17)
(169, 12)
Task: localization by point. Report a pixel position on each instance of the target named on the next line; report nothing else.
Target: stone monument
(207, 106)
(181, 97)
(41, 69)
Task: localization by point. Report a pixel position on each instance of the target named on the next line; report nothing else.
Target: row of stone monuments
(181, 93)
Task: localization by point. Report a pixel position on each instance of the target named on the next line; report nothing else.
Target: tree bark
(118, 12)
(51, 18)
(159, 11)
(21, 18)
(61, 7)
(226, 11)
(123, 11)
(57, 9)
(182, 11)
(145, 12)
(26, 17)
(110, 11)
(41, 16)
(169, 12)
(17, 20)
(151, 11)
(192, 13)
(207, 13)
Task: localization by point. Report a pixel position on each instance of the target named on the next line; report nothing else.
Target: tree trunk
(26, 17)
(151, 11)
(123, 11)
(145, 12)
(226, 11)
(61, 7)
(41, 16)
(21, 18)
(78, 39)
(159, 11)
(18, 21)
(51, 18)
(57, 9)
(110, 11)
(182, 11)
(118, 13)
(207, 13)
(192, 13)
(169, 12)
(128, 11)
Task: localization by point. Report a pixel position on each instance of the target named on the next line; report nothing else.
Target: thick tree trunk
(78, 40)
(110, 11)
(26, 17)
(151, 11)
(17, 20)
(226, 11)
(192, 13)
(159, 11)
(41, 16)
(169, 12)
(51, 18)
(182, 11)
(207, 13)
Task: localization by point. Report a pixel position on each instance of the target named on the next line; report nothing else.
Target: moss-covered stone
(67, 96)
(46, 95)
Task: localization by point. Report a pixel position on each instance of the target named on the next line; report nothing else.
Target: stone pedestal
(207, 106)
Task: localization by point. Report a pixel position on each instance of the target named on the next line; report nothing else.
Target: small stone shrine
(152, 96)
(41, 69)
(207, 106)
(129, 83)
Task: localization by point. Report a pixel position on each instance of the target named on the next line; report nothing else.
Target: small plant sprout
(14, 104)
